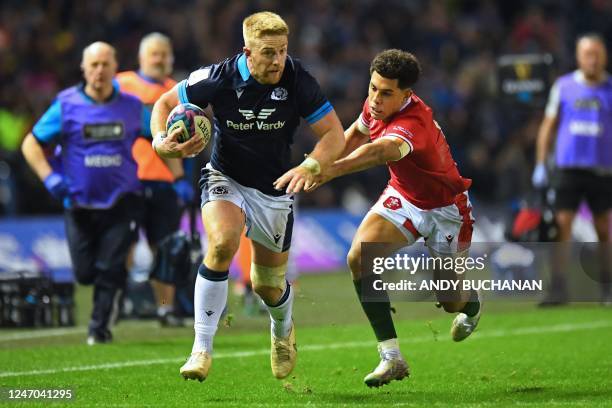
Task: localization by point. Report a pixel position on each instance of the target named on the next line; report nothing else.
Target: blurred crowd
(458, 43)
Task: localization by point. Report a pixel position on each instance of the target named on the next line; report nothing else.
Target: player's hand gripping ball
(192, 120)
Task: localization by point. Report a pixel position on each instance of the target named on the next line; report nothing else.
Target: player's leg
(268, 277)
(454, 301)
(270, 231)
(451, 229)
(375, 228)
(467, 304)
(223, 222)
(268, 285)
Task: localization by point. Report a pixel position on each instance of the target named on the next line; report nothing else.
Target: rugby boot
(464, 325)
(283, 354)
(197, 366)
(392, 366)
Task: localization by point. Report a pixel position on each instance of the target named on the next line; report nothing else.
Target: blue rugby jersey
(254, 123)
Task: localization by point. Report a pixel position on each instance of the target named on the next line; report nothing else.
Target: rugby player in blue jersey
(96, 126)
(258, 98)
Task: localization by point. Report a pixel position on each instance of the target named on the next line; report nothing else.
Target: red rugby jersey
(427, 176)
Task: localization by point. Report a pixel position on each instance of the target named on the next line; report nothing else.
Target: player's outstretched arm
(367, 155)
(167, 145)
(331, 139)
(329, 147)
(353, 139)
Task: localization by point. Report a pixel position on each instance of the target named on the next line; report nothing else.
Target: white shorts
(447, 230)
(269, 219)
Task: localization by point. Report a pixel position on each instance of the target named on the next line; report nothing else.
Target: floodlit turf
(519, 355)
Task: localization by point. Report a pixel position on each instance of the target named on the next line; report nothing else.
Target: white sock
(280, 315)
(390, 347)
(210, 298)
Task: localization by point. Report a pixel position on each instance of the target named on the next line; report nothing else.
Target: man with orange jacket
(163, 179)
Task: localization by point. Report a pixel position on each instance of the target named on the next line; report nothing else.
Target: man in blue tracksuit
(96, 126)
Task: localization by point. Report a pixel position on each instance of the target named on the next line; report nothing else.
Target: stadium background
(458, 43)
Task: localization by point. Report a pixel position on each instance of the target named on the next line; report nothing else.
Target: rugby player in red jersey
(426, 197)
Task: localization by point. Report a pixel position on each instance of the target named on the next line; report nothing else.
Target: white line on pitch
(41, 333)
(316, 347)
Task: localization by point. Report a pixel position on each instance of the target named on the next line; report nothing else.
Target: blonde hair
(263, 23)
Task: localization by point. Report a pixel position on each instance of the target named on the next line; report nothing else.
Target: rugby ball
(192, 120)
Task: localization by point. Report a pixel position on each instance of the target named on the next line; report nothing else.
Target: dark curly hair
(397, 64)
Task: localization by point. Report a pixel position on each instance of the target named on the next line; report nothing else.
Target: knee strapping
(271, 276)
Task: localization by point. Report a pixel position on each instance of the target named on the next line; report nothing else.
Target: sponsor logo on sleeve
(219, 190)
(403, 131)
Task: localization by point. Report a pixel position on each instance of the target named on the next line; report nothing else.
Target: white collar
(406, 104)
(579, 77)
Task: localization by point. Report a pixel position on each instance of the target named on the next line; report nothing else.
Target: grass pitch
(519, 356)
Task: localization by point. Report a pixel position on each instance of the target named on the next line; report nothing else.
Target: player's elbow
(168, 100)
(334, 135)
(376, 153)
(28, 145)
(164, 102)
(386, 151)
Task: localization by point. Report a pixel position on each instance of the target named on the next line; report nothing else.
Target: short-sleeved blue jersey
(254, 123)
